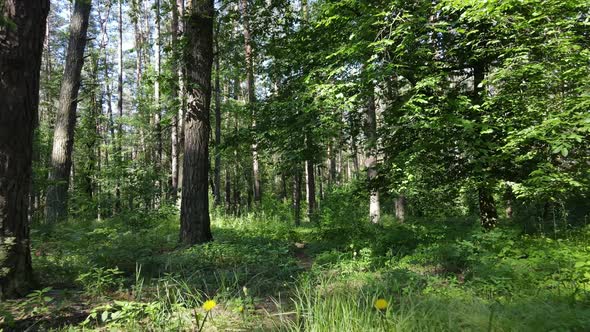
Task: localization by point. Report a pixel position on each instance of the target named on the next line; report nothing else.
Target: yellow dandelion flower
(381, 304)
(209, 305)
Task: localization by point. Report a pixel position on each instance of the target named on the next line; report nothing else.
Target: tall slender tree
(22, 28)
(217, 172)
(194, 212)
(371, 158)
(119, 142)
(158, 111)
(63, 138)
(176, 124)
(251, 93)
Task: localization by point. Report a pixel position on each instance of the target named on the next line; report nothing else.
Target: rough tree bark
(194, 212)
(21, 45)
(65, 122)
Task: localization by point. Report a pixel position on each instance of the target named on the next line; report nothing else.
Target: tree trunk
(283, 186)
(158, 111)
(487, 209)
(331, 164)
(311, 201)
(194, 211)
(92, 124)
(63, 138)
(227, 189)
(321, 183)
(297, 195)
(174, 135)
(182, 96)
(217, 172)
(237, 194)
(119, 142)
(400, 208)
(488, 214)
(176, 132)
(371, 159)
(251, 97)
(509, 197)
(237, 197)
(20, 64)
(355, 157)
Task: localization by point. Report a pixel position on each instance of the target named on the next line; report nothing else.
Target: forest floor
(127, 274)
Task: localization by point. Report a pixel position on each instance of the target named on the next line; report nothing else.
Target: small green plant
(37, 302)
(6, 317)
(123, 313)
(100, 280)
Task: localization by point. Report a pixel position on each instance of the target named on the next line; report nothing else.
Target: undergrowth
(127, 273)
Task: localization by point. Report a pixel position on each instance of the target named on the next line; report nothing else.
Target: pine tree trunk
(20, 64)
(63, 138)
(194, 212)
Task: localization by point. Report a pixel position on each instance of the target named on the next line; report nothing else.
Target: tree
(177, 95)
(63, 138)
(251, 90)
(217, 171)
(22, 29)
(194, 212)
(371, 158)
(119, 139)
(158, 111)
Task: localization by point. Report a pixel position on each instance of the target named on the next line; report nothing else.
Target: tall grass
(326, 304)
